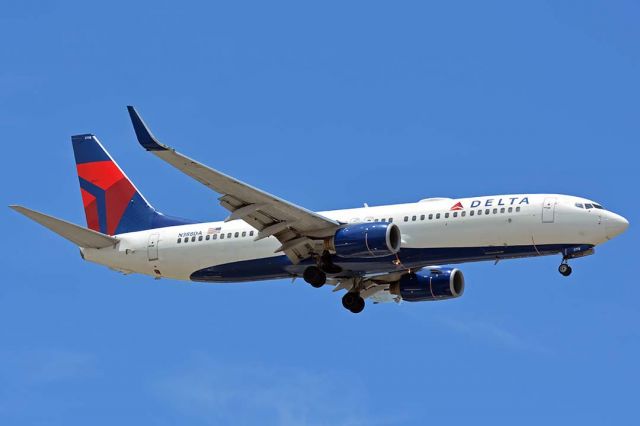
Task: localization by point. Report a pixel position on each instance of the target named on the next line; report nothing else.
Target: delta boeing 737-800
(382, 253)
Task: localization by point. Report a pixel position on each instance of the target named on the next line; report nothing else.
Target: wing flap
(78, 235)
(258, 208)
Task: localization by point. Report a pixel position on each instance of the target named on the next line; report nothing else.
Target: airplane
(386, 253)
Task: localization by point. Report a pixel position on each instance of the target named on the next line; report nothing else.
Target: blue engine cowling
(371, 239)
(434, 284)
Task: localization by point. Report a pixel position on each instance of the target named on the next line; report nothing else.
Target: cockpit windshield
(589, 206)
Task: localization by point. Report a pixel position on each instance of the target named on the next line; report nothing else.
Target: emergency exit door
(549, 210)
(152, 247)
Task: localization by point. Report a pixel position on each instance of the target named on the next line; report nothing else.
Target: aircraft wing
(294, 226)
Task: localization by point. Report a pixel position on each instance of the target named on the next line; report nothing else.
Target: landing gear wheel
(314, 276)
(565, 269)
(353, 302)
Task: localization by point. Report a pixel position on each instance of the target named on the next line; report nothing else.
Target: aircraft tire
(565, 269)
(314, 276)
(353, 302)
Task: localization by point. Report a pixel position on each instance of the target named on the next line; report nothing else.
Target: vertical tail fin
(112, 203)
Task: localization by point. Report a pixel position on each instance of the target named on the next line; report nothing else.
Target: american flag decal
(213, 230)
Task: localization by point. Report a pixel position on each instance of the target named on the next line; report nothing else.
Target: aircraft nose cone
(615, 225)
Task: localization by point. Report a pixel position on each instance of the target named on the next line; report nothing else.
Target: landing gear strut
(564, 268)
(353, 302)
(314, 276)
(327, 265)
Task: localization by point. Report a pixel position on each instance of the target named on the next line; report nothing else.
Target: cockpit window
(598, 206)
(580, 205)
(588, 206)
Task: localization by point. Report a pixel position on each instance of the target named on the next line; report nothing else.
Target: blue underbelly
(281, 266)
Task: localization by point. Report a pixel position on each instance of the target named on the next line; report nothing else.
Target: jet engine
(427, 285)
(371, 239)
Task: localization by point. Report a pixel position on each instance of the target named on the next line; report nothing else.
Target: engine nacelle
(435, 284)
(371, 239)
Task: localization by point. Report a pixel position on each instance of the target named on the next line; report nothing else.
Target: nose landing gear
(564, 268)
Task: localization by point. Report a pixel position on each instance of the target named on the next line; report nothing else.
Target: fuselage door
(549, 210)
(152, 247)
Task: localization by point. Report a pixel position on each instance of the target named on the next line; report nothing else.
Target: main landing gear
(317, 275)
(353, 302)
(314, 276)
(564, 268)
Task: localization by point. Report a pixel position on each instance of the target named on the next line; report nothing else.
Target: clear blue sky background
(329, 106)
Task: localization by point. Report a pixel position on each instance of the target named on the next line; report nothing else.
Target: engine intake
(435, 284)
(371, 239)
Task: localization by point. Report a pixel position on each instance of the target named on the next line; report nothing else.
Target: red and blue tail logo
(112, 204)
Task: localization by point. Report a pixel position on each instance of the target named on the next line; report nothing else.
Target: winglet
(144, 135)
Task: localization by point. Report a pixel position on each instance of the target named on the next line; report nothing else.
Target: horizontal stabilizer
(78, 235)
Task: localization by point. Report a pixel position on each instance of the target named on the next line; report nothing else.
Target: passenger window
(463, 214)
(193, 239)
(421, 217)
(446, 215)
(495, 211)
(237, 234)
(479, 212)
(413, 218)
(510, 209)
(390, 219)
(200, 238)
(215, 237)
(455, 214)
(487, 211)
(502, 210)
(406, 218)
(222, 236)
(588, 206)
(179, 240)
(437, 215)
(375, 220)
(251, 233)
(208, 237)
(431, 216)
(229, 235)
(244, 233)
(580, 205)
(517, 209)
(471, 213)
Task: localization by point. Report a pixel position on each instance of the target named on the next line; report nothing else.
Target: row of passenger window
(215, 236)
(383, 220)
(464, 213)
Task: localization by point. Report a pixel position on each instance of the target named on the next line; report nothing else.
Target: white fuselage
(434, 231)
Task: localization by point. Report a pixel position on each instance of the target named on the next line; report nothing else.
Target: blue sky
(328, 105)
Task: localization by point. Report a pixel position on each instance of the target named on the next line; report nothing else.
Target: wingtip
(20, 209)
(144, 135)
